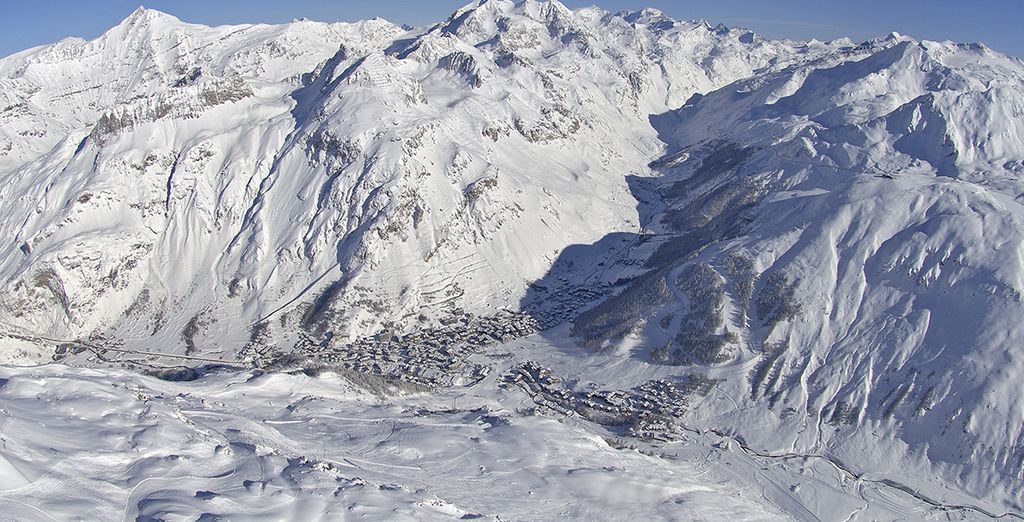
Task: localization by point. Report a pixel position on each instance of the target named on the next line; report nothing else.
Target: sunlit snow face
(822, 236)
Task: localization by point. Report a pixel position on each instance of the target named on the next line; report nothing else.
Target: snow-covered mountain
(830, 232)
(840, 241)
(337, 176)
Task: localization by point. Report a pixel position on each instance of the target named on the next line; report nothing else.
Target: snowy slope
(842, 242)
(292, 447)
(830, 232)
(329, 177)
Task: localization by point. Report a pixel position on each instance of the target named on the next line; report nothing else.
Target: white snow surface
(81, 444)
(167, 171)
(833, 232)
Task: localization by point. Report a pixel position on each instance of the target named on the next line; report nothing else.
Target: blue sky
(996, 23)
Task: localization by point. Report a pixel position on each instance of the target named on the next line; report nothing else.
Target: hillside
(812, 250)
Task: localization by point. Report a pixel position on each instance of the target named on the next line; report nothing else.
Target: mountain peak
(800, 227)
(480, 16)
(544, 9)
(141, 22)
(144, 16)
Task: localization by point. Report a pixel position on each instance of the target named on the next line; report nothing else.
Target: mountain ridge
(829, 231)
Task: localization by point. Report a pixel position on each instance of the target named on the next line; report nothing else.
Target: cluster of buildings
(648, 411)
(432, 357)
(564, 303)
